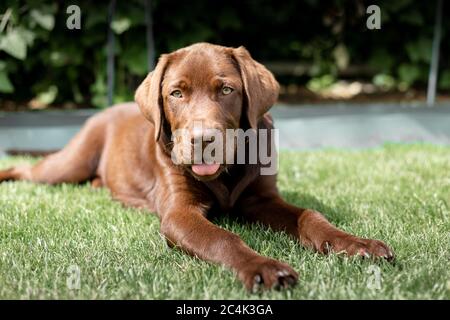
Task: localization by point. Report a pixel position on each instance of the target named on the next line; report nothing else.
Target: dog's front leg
(189, 229)
(310, 227)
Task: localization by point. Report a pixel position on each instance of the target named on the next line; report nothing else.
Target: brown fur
(130, 155)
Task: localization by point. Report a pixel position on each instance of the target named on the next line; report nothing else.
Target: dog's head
(198, 92)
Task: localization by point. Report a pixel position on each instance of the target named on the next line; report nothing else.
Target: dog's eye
(227, 90)
(176, 94)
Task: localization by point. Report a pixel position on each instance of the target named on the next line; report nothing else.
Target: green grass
(399, 194)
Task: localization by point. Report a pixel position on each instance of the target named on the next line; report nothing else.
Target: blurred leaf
(408, 73)
(28, 35)
(419, 50)
(45, 20)
(99, 101)
(320, 83)
(57, 58)
(135, 59)
(444, 80)
(5, 85)
(14, 44)
(65, 55)
(384, 81)
(341, 56)
(99, 91)
(47, 97)
(77, 95)
(120, 25)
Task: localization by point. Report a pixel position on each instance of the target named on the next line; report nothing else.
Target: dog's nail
(390, 256)
(282, 273)
(257, 281)
(364, 253)
(291, 280)
(327, 247)
(288, 281)
(255, 288)
(277, 286)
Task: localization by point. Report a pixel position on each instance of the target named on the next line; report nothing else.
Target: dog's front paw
(352, 245)
(264, 273)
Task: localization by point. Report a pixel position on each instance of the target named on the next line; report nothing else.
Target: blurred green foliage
(41, 59)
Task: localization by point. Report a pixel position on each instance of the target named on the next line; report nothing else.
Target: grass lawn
(397, 193)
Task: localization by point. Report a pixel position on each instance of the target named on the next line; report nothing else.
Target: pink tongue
(205, 169)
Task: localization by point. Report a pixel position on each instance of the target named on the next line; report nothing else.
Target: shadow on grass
(307, 201)
(302, 200)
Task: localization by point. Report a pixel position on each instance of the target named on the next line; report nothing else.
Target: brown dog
(224, 88)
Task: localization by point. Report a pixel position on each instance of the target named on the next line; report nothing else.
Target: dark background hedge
(41, 59)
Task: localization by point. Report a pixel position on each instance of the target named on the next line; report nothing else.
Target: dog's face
(196, 93)
(202, 96)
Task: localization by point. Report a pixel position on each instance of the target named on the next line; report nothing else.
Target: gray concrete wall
(301, 127)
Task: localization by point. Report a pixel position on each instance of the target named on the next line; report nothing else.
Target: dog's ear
(148, 96)
(261, 88)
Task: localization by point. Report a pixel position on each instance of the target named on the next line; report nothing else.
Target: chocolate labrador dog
(129, 149)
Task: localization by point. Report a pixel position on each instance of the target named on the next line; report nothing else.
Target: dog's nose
(197, 135)
(203, 137)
